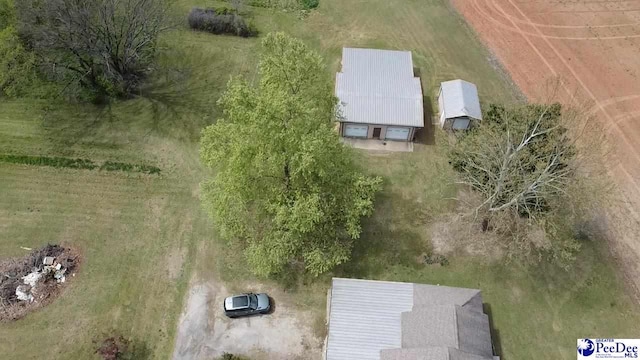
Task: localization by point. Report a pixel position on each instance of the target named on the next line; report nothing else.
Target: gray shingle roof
(437, 353)
(368, 319)
(379, 87)
(460, 98)
(430, 353)
(450, 326)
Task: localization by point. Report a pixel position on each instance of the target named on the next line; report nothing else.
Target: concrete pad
(379, 145)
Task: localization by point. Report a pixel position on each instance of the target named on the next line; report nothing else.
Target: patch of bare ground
(30, 282)
(461, 232)
(175, 261)
(204, 332)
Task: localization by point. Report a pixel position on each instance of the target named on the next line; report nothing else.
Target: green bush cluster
(17, 65)
(118, 166)
(309, 4)
(432, 259)
(57, 162)
(61, 162)
(220, 21)
(285, 4)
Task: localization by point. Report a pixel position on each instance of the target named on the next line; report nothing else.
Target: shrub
(222, 21)
(286, 4)
(57, 162)
(309, 4)
(60, 162)
(17, 65)
(118, 166)
(7, 14)
(277, 4)
(431, 259)
(228, 356)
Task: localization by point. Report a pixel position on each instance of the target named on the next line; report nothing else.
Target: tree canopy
(285, 187)
(17, 64)
(518, 158)
(107, 46)
(523, 163)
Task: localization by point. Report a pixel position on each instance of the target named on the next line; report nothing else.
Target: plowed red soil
(593, 49)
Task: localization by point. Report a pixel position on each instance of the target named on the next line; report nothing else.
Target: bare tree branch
(110, 42)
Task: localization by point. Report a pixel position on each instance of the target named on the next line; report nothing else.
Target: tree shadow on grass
(177, 100)
(389, 237)
(70, 124)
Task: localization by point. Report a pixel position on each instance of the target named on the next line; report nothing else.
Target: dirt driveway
(205, 333)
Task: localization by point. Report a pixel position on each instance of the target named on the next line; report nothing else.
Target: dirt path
(205, 333)
(592, 47)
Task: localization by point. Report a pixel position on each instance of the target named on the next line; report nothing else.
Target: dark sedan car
(246, 304)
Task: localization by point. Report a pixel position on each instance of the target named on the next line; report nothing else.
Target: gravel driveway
(205, 333)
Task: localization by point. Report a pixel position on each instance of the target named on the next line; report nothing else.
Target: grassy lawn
(139, 234)
(136, 232)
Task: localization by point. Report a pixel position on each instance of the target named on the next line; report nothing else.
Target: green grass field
(140, 235)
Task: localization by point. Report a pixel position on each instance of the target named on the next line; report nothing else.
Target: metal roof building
(459, 103)
(378, 87)
(380, 320)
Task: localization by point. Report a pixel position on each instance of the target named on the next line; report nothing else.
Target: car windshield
(253, 301)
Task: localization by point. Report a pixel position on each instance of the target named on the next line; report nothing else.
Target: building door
(460, 124)
(376, 133)
(359, 131)
(397, 133)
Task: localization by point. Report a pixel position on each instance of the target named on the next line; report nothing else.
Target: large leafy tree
(285, 186)
(523, 162)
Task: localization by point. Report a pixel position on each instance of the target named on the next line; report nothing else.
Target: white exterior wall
(441, 108)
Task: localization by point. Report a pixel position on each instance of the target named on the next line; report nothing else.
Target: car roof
(237, 302)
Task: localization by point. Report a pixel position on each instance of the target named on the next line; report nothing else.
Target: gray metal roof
(379, 87)
(437, 353)
(460, 98)
(367, 317)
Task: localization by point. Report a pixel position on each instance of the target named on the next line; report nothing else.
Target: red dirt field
(593, 49)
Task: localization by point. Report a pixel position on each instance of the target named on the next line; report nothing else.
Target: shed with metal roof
(459, 104)
(380, 97)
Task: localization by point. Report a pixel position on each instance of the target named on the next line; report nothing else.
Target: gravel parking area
(204, 332)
